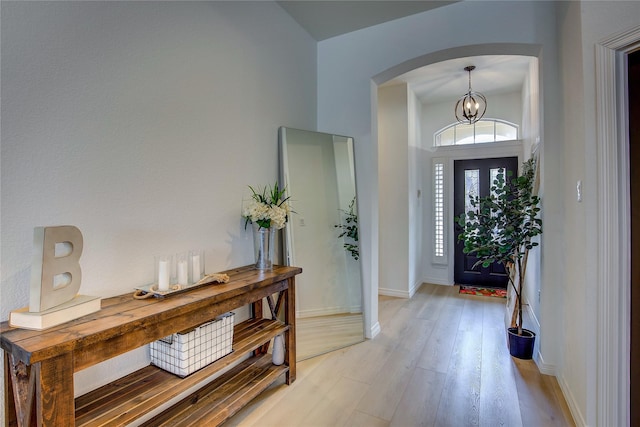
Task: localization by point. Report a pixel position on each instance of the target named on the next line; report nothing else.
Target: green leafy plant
(350, 229)
(501, 227)
(268, 207)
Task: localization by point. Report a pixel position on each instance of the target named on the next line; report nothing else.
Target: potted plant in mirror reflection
(349, 229)
(500, 228)
(268, 211)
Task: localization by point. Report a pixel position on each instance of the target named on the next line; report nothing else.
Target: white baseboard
(543, 367)
(394, 293)
(414, 288)
(532, 316)
(411, 292)
(375, 330)
(578, 418)
(436, 281)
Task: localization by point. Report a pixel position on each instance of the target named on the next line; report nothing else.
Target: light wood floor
(440, 360)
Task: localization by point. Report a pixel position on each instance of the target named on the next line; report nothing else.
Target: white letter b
(55, 270)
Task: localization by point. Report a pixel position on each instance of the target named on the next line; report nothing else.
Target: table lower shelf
(223, 397)
(139, 393)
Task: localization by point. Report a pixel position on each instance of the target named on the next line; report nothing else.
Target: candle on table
(163, 276)
(195, 263)
(183, 275)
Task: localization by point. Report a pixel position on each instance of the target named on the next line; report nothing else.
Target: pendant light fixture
(472, 106)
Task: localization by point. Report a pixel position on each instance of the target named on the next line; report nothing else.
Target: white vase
(278, 350)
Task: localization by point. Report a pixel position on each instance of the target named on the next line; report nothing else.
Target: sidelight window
(439, 212)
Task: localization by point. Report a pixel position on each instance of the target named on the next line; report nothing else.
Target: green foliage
(503, 225)
(350, 229)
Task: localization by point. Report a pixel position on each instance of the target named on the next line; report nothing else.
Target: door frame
(614, 240)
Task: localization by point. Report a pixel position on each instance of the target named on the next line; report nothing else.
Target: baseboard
(544, 368)
(533, 317)
(402, 294)
(375, 330)
(414, 288)
(551, 369)
(571, 403)
(436, 281)
(394, 293)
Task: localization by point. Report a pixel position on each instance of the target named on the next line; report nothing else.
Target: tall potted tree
(500, 228)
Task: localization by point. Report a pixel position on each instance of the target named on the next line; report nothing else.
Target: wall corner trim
(613, 242)
(374, 331)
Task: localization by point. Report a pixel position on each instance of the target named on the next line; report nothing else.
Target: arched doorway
(409, 147)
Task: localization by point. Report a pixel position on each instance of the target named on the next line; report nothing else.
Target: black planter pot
(521, 346)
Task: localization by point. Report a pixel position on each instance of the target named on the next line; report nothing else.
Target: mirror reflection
(318, 171)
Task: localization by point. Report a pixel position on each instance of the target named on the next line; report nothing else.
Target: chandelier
(472, 106)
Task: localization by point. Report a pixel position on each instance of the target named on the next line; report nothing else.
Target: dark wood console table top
(39, 365)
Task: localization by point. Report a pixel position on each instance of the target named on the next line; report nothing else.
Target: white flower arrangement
(268, 208)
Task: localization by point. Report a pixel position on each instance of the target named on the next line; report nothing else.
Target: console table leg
(257, 313)
(290, 335)
(256, 309)
(54, 391)
(18, 396)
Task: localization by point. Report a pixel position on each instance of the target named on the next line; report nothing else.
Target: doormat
(486, 292)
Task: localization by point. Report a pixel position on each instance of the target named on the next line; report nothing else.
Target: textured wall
(142, 124)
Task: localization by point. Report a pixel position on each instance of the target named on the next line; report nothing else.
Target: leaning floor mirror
(318, 172)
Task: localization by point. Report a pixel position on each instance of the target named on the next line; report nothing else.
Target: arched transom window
(483, 131)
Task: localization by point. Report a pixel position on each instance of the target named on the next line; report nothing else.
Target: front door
(474, 177)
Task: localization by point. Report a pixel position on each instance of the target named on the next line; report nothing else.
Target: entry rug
(487, 292)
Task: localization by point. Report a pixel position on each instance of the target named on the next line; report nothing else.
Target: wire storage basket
(183, 353)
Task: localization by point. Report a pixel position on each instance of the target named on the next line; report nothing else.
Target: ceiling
(448, 81)
(326, 19)
(433, 83)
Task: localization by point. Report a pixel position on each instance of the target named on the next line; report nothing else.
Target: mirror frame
(288, 244)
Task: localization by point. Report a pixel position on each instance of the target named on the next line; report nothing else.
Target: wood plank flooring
(440, 360)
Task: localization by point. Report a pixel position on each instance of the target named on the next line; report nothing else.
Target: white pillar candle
(163, 276)
(183, 275)
(195, 262)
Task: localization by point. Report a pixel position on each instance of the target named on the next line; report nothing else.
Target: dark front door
(473, 177)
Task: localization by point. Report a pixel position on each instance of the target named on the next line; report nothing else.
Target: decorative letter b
(55, 271)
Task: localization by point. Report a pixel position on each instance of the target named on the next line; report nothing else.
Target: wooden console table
(39, 365)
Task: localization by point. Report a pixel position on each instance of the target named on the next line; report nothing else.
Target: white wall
(583, 25)
(574, 370)
(393, 184)
(350, 67)
(142, 123)
(414, 192)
